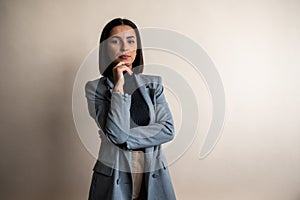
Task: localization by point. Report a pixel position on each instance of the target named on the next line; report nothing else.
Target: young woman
(134, 119)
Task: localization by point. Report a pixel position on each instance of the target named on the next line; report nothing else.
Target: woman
(134, 120)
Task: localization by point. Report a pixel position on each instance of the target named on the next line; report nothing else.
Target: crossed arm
(113, 116)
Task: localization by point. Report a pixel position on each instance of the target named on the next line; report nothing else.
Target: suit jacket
(111, 110)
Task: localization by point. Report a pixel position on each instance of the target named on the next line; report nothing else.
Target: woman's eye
(115, 41)
(131, 41)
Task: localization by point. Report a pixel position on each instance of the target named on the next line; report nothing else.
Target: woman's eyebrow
(115, 36)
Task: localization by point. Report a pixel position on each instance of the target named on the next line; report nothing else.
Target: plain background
(254, 44)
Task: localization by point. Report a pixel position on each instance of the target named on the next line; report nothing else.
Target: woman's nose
(124, 46)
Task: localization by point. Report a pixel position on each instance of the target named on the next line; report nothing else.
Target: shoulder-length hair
(105, 63)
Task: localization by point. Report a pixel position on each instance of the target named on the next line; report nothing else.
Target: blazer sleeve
(94, 99)
(159, 132)
(109, 112)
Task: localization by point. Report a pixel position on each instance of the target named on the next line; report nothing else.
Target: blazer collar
(137, 77)
(110, 83)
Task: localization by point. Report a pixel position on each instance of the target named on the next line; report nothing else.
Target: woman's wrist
(118, 89)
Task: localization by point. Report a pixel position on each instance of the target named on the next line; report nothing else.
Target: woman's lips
(124, 56)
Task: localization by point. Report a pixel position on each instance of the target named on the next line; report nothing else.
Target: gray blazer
(111, 110)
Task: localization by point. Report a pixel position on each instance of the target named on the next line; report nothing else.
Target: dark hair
(105, 64)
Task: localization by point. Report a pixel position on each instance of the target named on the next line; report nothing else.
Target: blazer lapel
(110, 84)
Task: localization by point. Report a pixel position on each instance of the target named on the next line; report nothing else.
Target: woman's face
(122, 45)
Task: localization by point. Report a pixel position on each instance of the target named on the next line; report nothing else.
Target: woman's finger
(121, 67)
(120, 64)
(127, 69)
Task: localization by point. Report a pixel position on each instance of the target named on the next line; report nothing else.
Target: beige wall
(254, 44)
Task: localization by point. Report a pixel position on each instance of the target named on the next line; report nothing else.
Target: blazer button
(154, 175)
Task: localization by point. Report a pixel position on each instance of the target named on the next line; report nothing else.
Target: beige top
(137, 158)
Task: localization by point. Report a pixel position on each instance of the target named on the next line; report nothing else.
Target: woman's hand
(118, 71)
